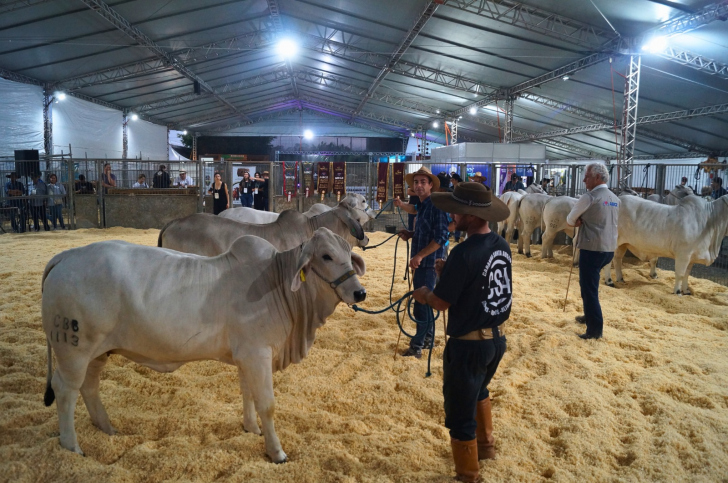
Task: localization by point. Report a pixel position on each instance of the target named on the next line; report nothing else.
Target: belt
(484, 334)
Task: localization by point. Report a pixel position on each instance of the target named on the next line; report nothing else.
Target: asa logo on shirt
(611, 203)
(499, 297)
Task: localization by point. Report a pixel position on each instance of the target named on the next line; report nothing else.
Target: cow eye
(327, 258)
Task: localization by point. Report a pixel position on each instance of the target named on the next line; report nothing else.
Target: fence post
(271, 186)
(100, 192)
(660, 180)
(71, 192)
(200, 173)
(491, 175)
(574, 175)
(301, 191)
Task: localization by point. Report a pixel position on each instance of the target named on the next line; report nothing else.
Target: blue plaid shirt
(431, 224)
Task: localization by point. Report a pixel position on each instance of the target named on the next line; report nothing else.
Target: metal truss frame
(689, 22)
(275, 16)
(412, 34)
(695, 61)
(113, 17)
(629, 119)
(348, 153)
(508, 129)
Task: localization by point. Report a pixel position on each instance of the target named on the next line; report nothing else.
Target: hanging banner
(323, 178)
(398, 169)
(290, 174)
(339, 187)
(382, 181)
(307, 186)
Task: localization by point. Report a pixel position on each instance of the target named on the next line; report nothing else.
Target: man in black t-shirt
(475, 287)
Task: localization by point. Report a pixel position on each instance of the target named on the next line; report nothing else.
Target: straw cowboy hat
(478, 177)
(410, 178)
(472, 199)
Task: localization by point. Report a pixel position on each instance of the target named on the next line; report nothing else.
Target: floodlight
(308, 134)
(473, 110)
(134, 117)
(60, 96)
(435, 124)
(287, 48)
(437, 111)
(565, 78)
(184, 133)
(655, 44)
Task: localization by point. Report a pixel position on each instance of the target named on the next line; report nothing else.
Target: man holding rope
(475, 286)
(596, 214)
(428, 244)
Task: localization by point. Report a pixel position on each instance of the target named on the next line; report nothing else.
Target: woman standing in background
(220, 196)
(247, 186)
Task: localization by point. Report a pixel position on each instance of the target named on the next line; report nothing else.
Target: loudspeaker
(196, 87)
(29, 162)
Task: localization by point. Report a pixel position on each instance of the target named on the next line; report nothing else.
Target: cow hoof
(576, 264)
(279, 458)
(653, 277)
(528, 255)
(253, 429)
(520, 251)
(677, 292)
(610, 283)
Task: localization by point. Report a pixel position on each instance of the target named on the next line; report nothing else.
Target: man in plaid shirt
(428, 244)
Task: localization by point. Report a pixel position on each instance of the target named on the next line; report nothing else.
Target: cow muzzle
(360, 295)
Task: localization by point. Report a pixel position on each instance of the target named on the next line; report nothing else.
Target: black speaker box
(29, 162)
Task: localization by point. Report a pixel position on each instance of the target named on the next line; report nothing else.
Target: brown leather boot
(465, 454)
(484, 430)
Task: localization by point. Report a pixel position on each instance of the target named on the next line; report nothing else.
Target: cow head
(328, 257)
(359, 205)
(348, 215)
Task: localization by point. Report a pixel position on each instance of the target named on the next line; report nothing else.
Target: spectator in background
(718, 189)
(514, 184)
(84, 187)
(455, 179)
(247, 185)
(161, 178)
(16, 188)
(478, 178)
(683, 181)
(183, 181)
(263, 190)
(545, 184)
(57, 194)
(141, 182)
(108, 179)
(38, 204)
(220, 195)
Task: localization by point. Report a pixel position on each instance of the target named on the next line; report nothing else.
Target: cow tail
(161, 233)
(49, 396)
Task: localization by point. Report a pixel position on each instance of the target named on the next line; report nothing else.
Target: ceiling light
(473, 110)
(134, 117)
(655, 44)
(60, 96)
(308, 134)
(287, 48)
(184, 133)
(437, 111)
(565, 78)
(460, 117)
(412, 134)
(435, 124)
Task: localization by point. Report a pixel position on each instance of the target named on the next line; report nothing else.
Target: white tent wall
(93, 131)
(21, 117)
(147, 138)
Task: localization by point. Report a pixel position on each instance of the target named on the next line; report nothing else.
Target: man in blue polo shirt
(428, 244)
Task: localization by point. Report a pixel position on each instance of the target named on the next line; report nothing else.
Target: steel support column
(629, 120)
(454, 131)
(194, 147)
(125, 136)
(508, 133)
(48, 122)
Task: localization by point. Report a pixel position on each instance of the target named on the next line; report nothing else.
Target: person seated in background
(511, 185)
(57, 193)
(161, 178)
(141, 182)
(16, 188)
(108, 179)
(717, 187)
(84, 187)
(183, 181)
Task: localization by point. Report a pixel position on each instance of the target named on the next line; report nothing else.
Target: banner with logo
(323, 178)
(339, 170)
(290, 174)
(307, 186)
(398, 169)
(382, 181)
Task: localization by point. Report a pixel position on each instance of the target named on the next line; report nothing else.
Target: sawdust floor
(647, 402)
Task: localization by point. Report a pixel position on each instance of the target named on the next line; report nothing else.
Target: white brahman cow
(690, 232)
(210, 235)
(511, 199)
(554, 221)
(530, 211)
(249, 215)
(247, 307)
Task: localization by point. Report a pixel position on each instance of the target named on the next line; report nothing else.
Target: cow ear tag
(303, 277)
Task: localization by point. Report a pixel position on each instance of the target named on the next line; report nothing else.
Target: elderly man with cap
(475, 288)
(15, 188)
(183, 181)
(428, 244)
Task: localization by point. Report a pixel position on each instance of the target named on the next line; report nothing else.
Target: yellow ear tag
(303, 277)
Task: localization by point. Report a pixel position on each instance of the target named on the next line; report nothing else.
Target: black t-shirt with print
(476, 281)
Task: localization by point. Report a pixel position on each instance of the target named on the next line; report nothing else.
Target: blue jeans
(590, 264)
(57, 215)
(467, 369)
(424, 277)
(246, 199)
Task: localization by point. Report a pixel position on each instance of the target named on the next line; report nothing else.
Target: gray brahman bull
(248, 307)
(210, 235)
(530, 211)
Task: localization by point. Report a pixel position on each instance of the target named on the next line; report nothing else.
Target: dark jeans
(18, 222)
(40, 212)
(57, 215)
(423, 277)
(590, 264)
(246, 199)
(468, 367)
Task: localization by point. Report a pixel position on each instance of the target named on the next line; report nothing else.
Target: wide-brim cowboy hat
(478, 176)
(472, 199)
(424, 171)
